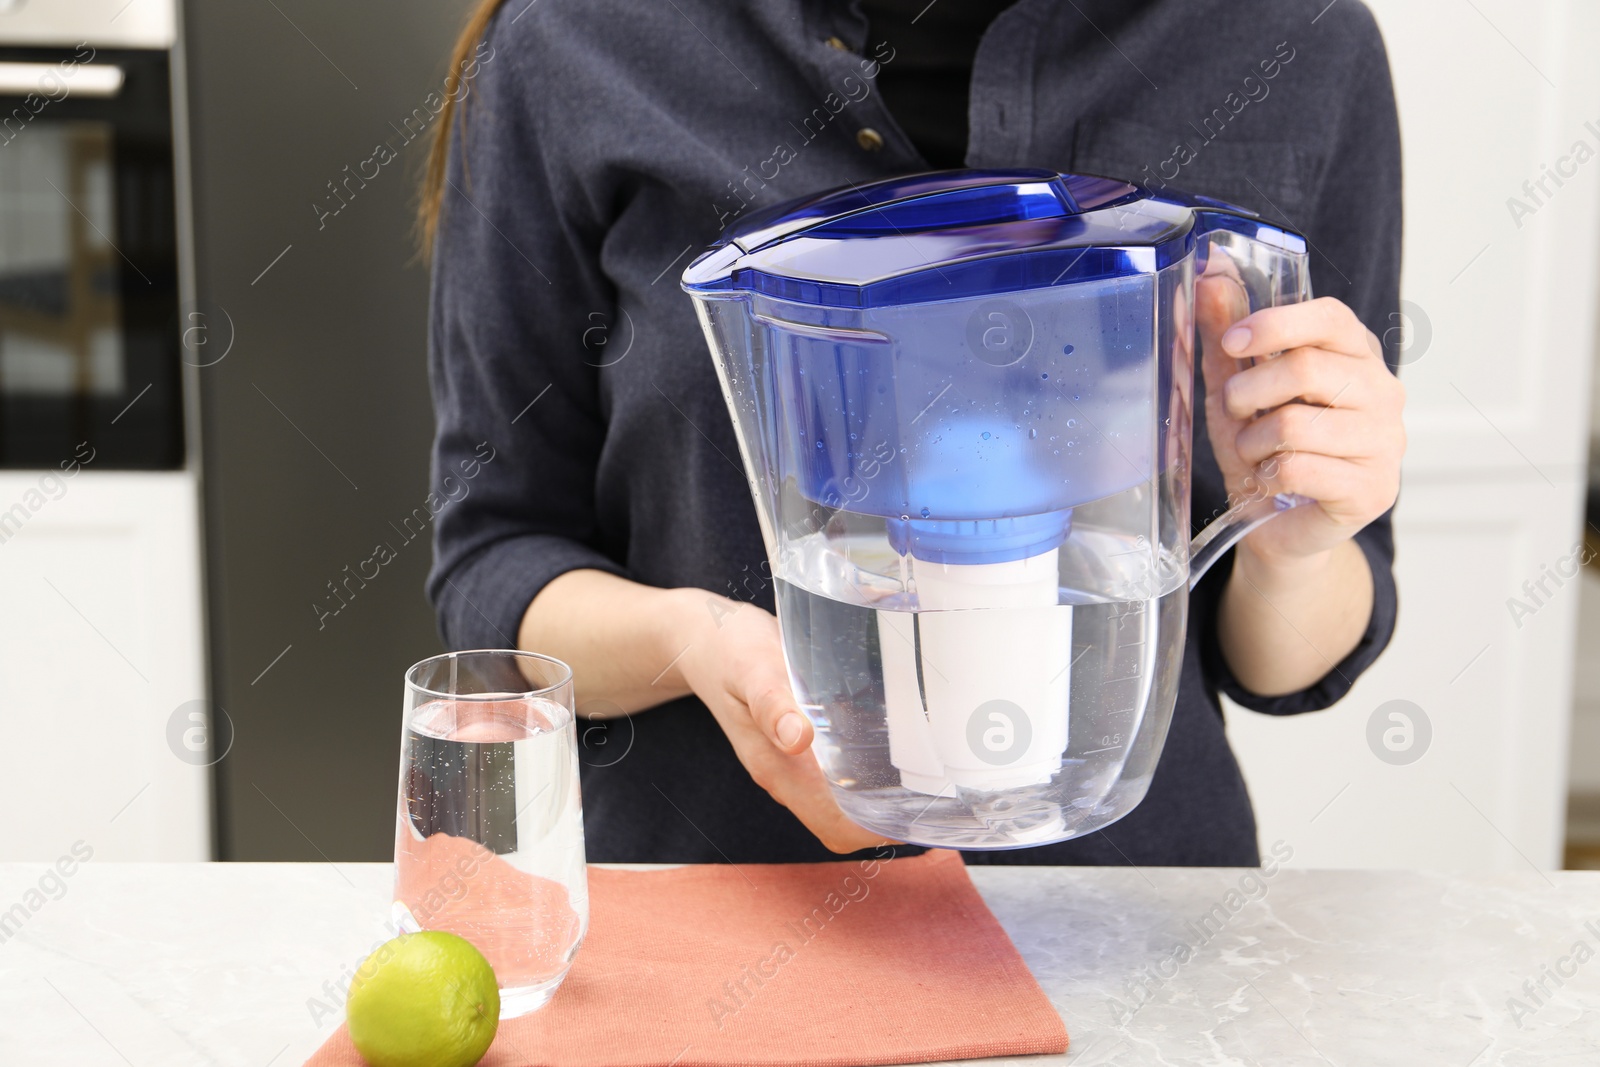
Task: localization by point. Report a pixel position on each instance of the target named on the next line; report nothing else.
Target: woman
(604, 143)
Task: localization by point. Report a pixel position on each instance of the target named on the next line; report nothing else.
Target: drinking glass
(489, 828)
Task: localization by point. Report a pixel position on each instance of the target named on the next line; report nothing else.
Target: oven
(91, 336)
(100, 534)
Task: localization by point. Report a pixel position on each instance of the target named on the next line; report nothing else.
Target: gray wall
(333, 334)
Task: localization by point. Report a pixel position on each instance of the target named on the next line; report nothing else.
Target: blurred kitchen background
(213, 406)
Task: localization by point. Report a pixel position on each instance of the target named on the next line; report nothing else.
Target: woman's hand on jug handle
(1322, 420)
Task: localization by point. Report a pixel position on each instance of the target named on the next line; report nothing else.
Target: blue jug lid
(956, 234)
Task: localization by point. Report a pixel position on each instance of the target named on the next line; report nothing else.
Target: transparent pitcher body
(977, 514)
(953, 493)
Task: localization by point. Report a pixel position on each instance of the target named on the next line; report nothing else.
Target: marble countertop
(129, 965)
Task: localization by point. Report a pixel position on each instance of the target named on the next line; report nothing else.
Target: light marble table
(139, 965)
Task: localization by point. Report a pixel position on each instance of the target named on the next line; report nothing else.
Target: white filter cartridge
(976, 682)
(910, 738)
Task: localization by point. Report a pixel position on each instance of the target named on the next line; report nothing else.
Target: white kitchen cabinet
(1489, 790)
(1492, 94)
(101, 643)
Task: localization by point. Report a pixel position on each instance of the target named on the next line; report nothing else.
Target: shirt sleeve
(517, 406)
(1355, 257)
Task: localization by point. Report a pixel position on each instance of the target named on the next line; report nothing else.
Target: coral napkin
(825, 965)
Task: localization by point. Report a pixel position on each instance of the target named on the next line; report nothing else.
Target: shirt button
(869, 139)
(837, 43)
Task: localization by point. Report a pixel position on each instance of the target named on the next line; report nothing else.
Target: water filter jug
(963, 400)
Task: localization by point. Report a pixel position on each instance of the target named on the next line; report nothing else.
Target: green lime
(424, 1000)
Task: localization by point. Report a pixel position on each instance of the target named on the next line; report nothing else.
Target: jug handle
(1272, 269)
(1229, 528)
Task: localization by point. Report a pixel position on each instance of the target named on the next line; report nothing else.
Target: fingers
(796, 782)
(1322, 323)
(1317, 401)
(1328, 431)
(1310, 375)
(849, 837)
(1349, 491)
(753, 674)
(775, 712)
(746, 686)
(1219, 302)
(1220, 261)
(838, 834)
(1296, 428)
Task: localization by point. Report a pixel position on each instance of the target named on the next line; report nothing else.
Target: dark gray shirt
(607, 142)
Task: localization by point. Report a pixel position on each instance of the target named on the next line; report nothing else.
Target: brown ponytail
(439, 150)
